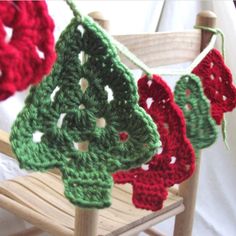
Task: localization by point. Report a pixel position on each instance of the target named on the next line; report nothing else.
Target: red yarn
(217, 83)
(176, 161)
(32, 31)
(123, 136)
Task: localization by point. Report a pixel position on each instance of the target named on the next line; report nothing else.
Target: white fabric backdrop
(215, 210)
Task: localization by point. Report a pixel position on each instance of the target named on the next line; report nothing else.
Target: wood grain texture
(86, 221)
(158, 49)
(188, 190)
(38, 198)
(207, 19)
(5, 146)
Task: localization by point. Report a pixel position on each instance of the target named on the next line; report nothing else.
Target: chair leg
(184, 221)
(86, 222)
(188, 190)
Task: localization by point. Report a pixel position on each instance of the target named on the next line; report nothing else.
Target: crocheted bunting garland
(217, 83)
(175, 162)
(73, 120)
(201, 128)
(29, 53)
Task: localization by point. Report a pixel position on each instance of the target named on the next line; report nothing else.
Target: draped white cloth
(215, 209)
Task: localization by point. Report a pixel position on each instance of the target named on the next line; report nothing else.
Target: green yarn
(120, 47)
(201, 128)
(224, 132)
(67, 115)
(218, 31)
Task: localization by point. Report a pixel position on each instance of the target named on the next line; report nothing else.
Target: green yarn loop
(215, 31)
(120, 47)
(73, 119)
(189, 95)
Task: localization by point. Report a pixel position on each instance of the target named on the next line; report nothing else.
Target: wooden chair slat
(5, 146)
(27, 198)
(158, 49)
(49, 180)
(48, 195)
(33, 217)
(33, 192)
(142, 225)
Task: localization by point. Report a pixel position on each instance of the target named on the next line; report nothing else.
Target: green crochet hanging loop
(189, 95)
(120, 47)
(74, 118)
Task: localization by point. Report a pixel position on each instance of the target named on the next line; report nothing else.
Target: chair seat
(38, 198)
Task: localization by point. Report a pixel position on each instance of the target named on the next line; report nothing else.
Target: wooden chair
(38, 197)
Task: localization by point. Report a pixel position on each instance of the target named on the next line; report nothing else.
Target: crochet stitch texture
(217, 83)
(80, 123)
(201, 128)
(175, 162)
(29, 54)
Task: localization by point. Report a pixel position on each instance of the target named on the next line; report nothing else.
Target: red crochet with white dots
(175, 162)
(217, 83)
(29, 53)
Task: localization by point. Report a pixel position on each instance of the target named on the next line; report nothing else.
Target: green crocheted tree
(189, 95)
(73, 120)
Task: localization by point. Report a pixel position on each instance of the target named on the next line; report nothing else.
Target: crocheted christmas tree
(217, 83)
(201, 128)
(73, 120)
(175, 162)
(27, 53)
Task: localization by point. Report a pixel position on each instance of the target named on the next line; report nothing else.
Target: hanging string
(203, 54)
(129, 55)
(121, 48)
(224, 132)
(217, 31)
(196, 61)
(76, 13)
